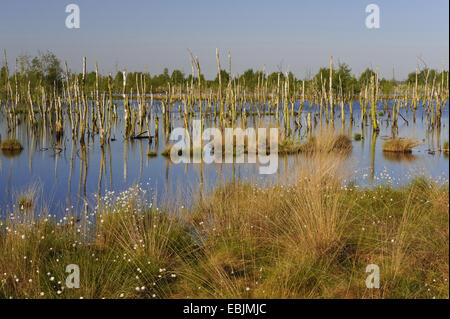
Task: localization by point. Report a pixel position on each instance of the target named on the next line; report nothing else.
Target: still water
(67, 176)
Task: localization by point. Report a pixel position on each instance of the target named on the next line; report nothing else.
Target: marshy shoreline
(311, 239)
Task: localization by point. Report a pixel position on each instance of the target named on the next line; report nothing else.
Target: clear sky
(296, 35)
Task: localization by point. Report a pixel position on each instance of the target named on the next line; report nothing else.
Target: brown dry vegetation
(328, 142)
(400, 145)
(11, 145)
(311, 239)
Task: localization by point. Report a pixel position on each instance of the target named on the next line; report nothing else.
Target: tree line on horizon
(47, 70)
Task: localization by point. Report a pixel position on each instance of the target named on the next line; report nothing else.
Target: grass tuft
(399, 145)
(327, 142)
(445, 147)
(11, 144)
(288, 146)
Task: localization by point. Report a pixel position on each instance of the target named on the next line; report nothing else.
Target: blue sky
(297, 35)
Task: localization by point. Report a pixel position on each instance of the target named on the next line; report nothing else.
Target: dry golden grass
(314, 239)
(445, 147)
(327, 142)
(26, 198)
(11, 145)
(400, 145)
(310, 239)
